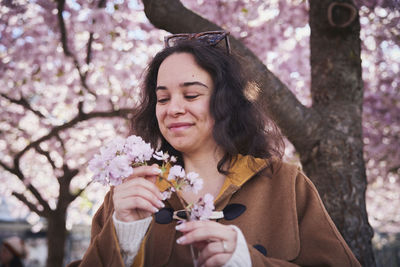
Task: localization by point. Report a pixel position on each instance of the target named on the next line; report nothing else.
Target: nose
(176, 106)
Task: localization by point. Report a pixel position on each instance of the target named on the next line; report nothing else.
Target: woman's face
(183, 104)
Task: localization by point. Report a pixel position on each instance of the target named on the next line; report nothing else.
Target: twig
(77, 119)
(47, 155)
(29, 204)
(184, 205)
(67, 51)
(23, 102)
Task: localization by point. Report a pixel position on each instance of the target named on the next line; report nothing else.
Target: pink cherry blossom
(195, 184)
(160, 155)
(176, 172)
(120, 168)
(203, 209)
(137, 150)
(168, 193)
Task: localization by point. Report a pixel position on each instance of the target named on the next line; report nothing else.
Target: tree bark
(328, 136)
(56, 237)
(335, 164)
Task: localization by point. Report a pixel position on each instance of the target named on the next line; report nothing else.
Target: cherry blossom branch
(61, 142)
(80, 117)
(47, 155)
(17, 172)
(24, 103)
(39, 197)
(178, 194)
(89, 51)
(67, 51)
(79, 192)
(102, 4)
(29, 204)
(182, 201)
(6, 167)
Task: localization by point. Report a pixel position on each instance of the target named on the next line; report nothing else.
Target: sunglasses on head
(211, 38)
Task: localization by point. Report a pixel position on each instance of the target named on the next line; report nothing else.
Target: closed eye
(191, 96)
(162, 100)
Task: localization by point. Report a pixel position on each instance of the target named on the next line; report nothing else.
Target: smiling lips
(179, 126)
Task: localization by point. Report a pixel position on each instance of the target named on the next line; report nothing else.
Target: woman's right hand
(138, 197)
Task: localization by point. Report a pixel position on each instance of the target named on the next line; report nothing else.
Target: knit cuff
(131, 234)
(241, 255)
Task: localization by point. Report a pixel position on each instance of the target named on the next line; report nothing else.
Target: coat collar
(242, 169)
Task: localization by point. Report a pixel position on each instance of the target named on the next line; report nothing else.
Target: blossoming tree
(69, 76)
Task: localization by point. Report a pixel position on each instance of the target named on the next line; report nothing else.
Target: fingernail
(156, 171)
(155, 209)
(180, 240)
(180, 227)
(161, 204)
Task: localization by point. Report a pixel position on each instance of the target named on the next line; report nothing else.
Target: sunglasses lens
(175, 40)
(211, 39)
(208, 38)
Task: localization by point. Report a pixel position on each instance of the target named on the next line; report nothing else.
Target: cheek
(207, 116)
(158, 114)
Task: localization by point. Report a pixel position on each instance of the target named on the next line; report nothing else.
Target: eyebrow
(184, 84)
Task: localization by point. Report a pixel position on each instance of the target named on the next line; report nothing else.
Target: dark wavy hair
(240, 127)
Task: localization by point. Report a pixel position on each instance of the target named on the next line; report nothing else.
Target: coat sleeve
(320, 242)
(104, 247)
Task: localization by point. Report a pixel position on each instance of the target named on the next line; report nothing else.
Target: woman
(194, 106)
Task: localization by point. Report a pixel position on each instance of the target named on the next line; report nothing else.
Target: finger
(192, 225)
(144, 171)
(200, 245)
(136, 203)
(197, 231)
(214, 248)
(140, 192)
(124, 189)
(153, 178)
(217, 260)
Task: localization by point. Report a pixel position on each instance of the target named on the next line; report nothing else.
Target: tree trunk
(56, 237)
(335, 163)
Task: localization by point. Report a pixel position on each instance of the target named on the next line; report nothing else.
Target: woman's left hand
(216, 242)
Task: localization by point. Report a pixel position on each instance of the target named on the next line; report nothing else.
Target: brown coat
(284, 219)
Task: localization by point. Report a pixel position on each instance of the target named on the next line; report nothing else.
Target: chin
(181, 147)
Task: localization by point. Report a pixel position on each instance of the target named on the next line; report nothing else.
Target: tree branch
(80, 117)
(7, 168)
(77, 194)
(89, 51)
(61, 142)
(65, 197)
(23, 102)
(47, 155)
(29, 204)
(39, 198)
(67, 51)
(17, 172)
(102, 4)
(299, 123)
